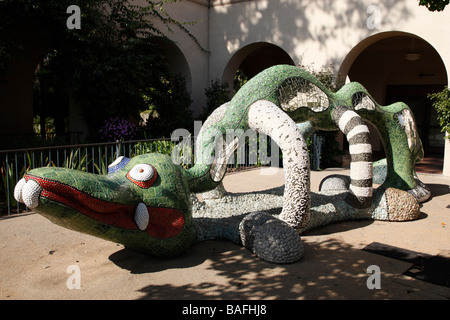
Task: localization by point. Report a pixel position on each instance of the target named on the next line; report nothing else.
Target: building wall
(318, 32)
(312, 33)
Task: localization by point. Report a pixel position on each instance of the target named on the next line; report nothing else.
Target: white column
(446, 169)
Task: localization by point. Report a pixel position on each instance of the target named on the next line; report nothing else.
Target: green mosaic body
(266, 86)
(155, 215)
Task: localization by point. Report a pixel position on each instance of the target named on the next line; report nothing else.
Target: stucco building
(398, 50)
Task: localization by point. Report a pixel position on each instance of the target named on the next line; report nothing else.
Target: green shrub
(216, 94)
(441, 102)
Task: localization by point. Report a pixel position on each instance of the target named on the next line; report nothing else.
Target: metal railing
(93, 158)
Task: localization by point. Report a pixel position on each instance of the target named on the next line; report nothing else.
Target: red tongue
(163, 222)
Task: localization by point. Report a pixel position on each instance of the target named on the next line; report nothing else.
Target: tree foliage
(168, 107)
(434, 5)
(441, 102)
(217, 93)
(108, 65)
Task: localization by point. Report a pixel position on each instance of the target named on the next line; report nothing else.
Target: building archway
(253, 59)
(175, 60)
(399, 66)
(16, 88)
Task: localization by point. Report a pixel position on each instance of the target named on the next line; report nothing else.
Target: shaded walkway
(431, 164)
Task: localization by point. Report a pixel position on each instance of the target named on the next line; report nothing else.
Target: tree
(167, 106)
(434, 5)
(441, 102)
(109, 63)
(217, 94)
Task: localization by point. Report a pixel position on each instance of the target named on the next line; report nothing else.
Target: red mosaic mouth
(163, 222)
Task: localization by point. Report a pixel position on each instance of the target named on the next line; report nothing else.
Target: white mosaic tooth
(31, 192)
(141, 216)
(18, 190)
(116, 162)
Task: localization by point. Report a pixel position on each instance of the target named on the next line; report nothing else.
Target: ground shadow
(438, 189)
(337, 227)
(139, 263)
(329, 270)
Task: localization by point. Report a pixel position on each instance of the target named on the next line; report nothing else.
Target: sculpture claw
(270, 239)
(402, 206)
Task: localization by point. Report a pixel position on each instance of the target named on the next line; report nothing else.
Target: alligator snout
(142, 203)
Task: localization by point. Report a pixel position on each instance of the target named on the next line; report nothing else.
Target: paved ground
(35, 256)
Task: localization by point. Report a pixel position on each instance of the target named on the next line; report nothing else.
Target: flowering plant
(116, 128)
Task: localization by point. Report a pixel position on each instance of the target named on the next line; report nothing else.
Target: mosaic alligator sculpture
(146, 203)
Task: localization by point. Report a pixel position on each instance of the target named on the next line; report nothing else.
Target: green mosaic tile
(107, 206)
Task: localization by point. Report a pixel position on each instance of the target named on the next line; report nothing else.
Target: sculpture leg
(266, 117)
(421, 192)
(271, 239)
(357, 133)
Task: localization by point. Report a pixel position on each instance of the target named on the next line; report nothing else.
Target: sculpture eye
(143, 175)
(118, 164)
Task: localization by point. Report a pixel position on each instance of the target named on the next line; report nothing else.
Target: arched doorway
(253, 59)
(176, 60)
(16, 87)
(399, 66)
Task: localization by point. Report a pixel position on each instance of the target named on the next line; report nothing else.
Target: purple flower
(116, 129)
